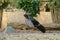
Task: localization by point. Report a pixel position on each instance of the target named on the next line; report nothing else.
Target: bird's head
(26, 16)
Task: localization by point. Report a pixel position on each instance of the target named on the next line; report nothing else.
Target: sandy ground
(30, 35)
(37, 35)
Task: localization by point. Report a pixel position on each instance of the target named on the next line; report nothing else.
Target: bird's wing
(29, 23)
(34, 21)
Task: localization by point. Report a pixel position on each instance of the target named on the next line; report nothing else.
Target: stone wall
(45, 18)
(14, 17)
(17, 17)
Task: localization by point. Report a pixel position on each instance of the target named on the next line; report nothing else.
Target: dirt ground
(31, 36)
(26, 33)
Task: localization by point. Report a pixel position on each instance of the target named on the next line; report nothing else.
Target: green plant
(31, 7)
(4, 4)
(54, 5)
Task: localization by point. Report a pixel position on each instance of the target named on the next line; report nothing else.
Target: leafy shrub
(30, 6)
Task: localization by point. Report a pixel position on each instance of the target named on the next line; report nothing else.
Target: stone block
(45, 18)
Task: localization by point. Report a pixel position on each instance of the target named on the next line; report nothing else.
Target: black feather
(38, 25)
(35, 22)
(41, 28)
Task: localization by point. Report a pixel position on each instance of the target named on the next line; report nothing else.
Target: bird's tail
(41, 28)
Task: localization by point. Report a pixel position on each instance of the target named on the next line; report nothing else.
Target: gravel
(55, 35)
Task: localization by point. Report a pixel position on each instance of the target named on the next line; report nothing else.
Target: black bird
(31, 22)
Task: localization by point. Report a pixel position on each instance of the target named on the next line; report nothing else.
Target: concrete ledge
(49, 27)
(53, 25)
